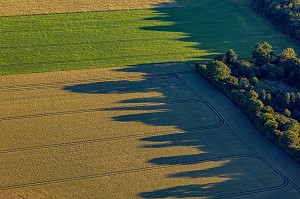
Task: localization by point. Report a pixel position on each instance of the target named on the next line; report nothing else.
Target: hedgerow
(241, 89)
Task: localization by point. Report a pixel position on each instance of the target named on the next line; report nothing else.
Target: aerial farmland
(99, 99)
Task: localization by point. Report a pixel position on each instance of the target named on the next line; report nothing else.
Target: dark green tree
(269, 98)
(244, 83)
(231, 56)
(292, 78)
(217, 70)
(263, 53)
(288, 53)
(263, 94)
(287, 113)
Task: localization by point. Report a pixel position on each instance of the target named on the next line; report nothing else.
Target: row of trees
(266, 64)
(239, 81)
(284, 13)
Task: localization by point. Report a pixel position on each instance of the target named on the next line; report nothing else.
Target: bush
(264, 71)
(230, 56)
(279, 72)
(221, 57)
(286, 113)
(200, 66)
(268, 109)
(288, 53)
(271, 125)
(263, 53)
(254, 81)
(217, 70)
(245, 69)
(272, 76)
(289, 139)
(244, 83)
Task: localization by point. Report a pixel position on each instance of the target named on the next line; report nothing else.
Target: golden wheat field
(126, 132)
(28, 7)
(139, 130)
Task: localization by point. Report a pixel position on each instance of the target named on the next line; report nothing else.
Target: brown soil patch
(28, 7)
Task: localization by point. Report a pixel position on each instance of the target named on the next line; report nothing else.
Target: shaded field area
(196, 31)
(127, 132)
(29, 7)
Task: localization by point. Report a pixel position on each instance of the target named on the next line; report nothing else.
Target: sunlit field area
(98, 100)
(42, 43)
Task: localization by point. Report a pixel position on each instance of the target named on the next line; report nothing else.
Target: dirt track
(132, 132)
(29, 7)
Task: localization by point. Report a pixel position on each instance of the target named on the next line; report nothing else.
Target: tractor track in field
(199, 98)
(108, 139)
(60, 84)
(72, 112)
(242, 141)
(284, 183)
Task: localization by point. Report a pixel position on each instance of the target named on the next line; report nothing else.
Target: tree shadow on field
(210, 161)
(208, 167)
(216, 26)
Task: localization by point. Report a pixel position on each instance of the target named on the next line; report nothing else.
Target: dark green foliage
(288, 53)
(283, 13)
(292, 78)
(272, 76)
(271, 125)
(270, 112)
(263, 95)
(290, 65)
(286, 99)
(254, 81)
(267, 109)
(231, 56)
(263, 53)
(232, 82)
(291, 125)
(279, 72)
(269, 98)
(217, 70)
(221, 57)
(287, 113)
(289, 138)
(264, 71)
(246, 69)
(244, 83)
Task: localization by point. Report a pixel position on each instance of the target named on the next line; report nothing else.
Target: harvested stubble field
(128, 132)
(29, 7)
(198, 30)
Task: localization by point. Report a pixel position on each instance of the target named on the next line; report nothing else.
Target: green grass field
(41, 43)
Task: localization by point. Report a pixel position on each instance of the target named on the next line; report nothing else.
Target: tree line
(273, 113)
(284, 13)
